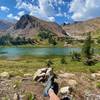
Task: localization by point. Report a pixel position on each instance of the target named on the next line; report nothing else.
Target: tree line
(9, 40)
(50, 36)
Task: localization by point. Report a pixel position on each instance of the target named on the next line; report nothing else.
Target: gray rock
(49, 71)
(42, 73)
(96, 75)
(67, 75)
(72, 83)
(37, 74)
(65, 90)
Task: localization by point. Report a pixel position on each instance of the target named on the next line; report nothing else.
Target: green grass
(31, 64)
(30, 96)
(98, 85)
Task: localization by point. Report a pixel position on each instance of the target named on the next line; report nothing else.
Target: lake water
(39, 52)
(19, 52)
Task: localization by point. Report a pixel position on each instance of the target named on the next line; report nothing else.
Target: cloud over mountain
(44, 9)
(11, 16)
(60, 11)
(84, 9)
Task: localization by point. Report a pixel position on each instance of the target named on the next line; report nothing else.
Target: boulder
(65, 90)
(49, 71)
(42, 74)
(5, 75)
(95, 75)
(72, 83)
(38, 73)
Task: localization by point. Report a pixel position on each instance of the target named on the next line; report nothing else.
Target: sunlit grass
(31, 64)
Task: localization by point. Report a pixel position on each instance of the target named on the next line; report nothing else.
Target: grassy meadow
(29, 64)
(24, 65)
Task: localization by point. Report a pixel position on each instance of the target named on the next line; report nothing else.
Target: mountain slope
(4, 25)
(80, 28)
(29, 26)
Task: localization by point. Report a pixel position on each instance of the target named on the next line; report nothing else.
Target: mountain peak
(30, 25)
(27, 17)
(24, 22)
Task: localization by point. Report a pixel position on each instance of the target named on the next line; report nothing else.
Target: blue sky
(59, 11)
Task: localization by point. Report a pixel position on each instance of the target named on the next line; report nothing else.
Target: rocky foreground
(75, 86)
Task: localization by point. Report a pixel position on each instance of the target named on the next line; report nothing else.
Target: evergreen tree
(88, 51)
(87, 47)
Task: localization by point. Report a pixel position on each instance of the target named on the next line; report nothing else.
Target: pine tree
(88, 51)
(87, 47)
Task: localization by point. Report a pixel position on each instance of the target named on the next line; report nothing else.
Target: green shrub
(45, 34)
(90, 62)
(30, 96)
(98, 85)
(52, 41)
(49, 63)
(91, 70)
(5, 98)
(76, 56)
(63, 60)
(98, 40)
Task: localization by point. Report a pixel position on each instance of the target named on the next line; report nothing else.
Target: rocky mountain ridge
(28, 26)
(81, 28)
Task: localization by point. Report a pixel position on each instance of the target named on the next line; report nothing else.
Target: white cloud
(45, 7)
(52, 19)
(21, 13)
(65, 14)
(4, 8)
(84, 9)
(59, 14)
(61, 2)
(44, 10)
(11, 16)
